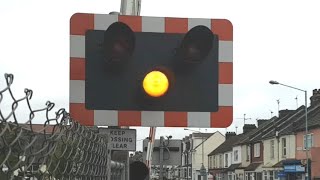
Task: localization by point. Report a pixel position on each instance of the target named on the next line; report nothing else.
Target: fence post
(108, 159)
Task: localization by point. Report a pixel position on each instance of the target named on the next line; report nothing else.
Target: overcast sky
(273, 39)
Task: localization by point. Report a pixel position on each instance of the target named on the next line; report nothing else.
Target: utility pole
(161, 157)
(163, 144)
(202, 149)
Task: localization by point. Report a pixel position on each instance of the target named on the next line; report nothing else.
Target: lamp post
(202, 169)
(306, 114)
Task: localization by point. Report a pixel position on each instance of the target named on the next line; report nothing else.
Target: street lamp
(306, 114)
(202, 169)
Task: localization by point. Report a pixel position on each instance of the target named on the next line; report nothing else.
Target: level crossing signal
(128, 70)
(132, 63)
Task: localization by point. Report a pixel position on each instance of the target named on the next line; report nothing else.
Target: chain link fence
(60, 148)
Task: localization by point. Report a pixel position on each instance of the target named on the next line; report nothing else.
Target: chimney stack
(248, 128)
(283, 113)
(261, 121)
(230, 134)
(315, 98)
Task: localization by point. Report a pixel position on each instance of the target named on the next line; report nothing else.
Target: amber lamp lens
(155, 84)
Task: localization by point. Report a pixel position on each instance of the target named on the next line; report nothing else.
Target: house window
(284, 147)
(248, 152)
(272, 149)
(213, 159)
(230, 176)
(214, 162)
(247, 176)
(253, 175)
(265, 175)
(210, 161)
(220, 161)
(231, 157)
(250, 176)
(257, 150)
(226, 160)
(271, 175)
(309, 142)
(236, 156)
(276, 174)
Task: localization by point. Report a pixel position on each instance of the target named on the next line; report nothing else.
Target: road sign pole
(133, 7)
(129, 7)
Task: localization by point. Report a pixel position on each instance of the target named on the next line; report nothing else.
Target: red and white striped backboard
(81, 22)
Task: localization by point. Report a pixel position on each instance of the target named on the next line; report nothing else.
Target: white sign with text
(121, 139)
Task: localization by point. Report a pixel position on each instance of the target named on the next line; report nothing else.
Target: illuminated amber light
(155, 83)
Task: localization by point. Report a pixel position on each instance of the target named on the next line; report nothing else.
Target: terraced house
(311, 140)
(221, 158)
(225, 162)
(275, 150)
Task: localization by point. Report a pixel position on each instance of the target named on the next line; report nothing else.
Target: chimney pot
(230, 134)
(315, 91)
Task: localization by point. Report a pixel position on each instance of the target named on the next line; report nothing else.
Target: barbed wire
(60, 148)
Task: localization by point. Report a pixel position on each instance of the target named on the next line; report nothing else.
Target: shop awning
(287, 162)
